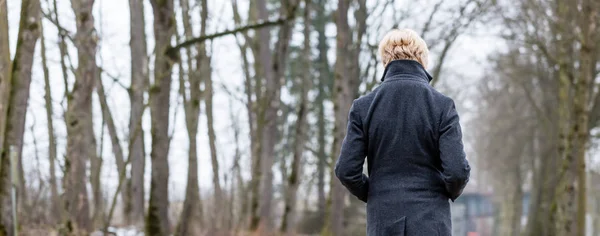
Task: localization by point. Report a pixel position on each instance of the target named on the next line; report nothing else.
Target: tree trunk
(324, 83)
(98, 215)
(344, 91)
(5, 69)
(212, 141)
(192, 207)
(290, 213)
(206, 71)
(237, 192)
(341, 106)
(54, 197)
(56, 207)
(254, 121)
(512, 201)
(273, 65)
(79, 129)
(587, 62)
(20, 79)
(248, 208)
(191, 204)
(114, 137)
(269, 103)
(134, 201)
(157, 221)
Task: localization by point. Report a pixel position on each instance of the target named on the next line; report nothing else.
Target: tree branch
(62, 30)
(427, 25)
(203, 38)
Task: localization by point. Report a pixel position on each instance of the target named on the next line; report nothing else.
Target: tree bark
(288, 224)
(191, 204)
(573, 98)
(273, 66)
(157, 220)
(512, 201)
(254, 120)
(341, 105)
(114, 137)
(20, 80)
(5, 68)
(205, 69)
(191, 211)
(325, 83)
(268, 126)
(237, 192)
(587, 62)
(96, 160)
(56, 207)
(249, 204)
(134, 200)
(345, 90)
(79, 129)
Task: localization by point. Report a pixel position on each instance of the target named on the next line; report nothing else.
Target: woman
(411, 137)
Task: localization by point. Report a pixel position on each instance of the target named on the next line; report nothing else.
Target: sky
(463, 69)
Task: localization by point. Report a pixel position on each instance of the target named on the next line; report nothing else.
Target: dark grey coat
(411, 137)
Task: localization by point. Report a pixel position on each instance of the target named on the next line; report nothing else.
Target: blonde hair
(403, 44)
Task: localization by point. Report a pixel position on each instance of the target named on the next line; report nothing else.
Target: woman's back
(410, 135)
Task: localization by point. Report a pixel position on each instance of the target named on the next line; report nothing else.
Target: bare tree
(270, 66)
(5, 68)
(62, 46)
(238, 191)
(192, 206)
(56, 207)
(288, 224)
(324, 94)
(114, 138)
(564, 107)
(468, 13)
(250, 203)
(157, 220)
(205, 69)
(503, 113)
(79, 127)
(20, 79)
(134, 201)
(345, 90)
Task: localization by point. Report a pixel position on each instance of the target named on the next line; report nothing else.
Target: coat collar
(405, 67)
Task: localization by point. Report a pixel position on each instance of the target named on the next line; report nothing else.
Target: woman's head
(403, 44)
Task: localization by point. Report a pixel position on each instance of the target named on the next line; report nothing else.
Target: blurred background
(225, 117)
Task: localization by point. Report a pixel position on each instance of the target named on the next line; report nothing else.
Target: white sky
(463, 68)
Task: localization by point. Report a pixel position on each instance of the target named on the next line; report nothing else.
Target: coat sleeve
(455, 167)
(349, 166)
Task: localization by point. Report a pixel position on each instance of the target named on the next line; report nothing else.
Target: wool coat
(411, 137)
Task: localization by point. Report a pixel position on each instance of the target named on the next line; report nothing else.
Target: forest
(226, 117)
